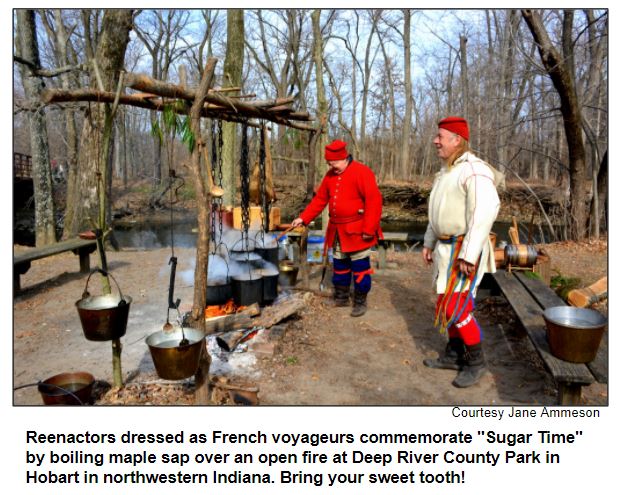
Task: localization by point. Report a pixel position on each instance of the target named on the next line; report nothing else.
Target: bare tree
(65, 56)
(322, 105)
(232, 77)
(161, 33)
(560, 67)
(27, 49)
(406, 129)
(93, 163)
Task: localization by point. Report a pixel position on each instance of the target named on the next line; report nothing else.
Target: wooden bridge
(22, 166)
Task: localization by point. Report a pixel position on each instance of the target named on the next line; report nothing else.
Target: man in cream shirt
(462, 208)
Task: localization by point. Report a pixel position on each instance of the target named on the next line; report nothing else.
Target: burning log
(229, 341)
(231, 321)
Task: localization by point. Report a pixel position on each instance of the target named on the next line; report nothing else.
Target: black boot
(473, 369)
(341, 295)
(453, 357)
(359, 303)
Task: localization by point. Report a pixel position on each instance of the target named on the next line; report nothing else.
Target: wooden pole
(204, 200)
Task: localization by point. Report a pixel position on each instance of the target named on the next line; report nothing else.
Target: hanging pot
(247, 289)
(103, 317)
(250, 257)
(219, 293)
(69, 389)
(171, 360)
(240, 247)
(288, 274)
(270, 285)
(269, 254)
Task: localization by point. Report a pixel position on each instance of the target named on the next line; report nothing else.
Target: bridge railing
(22, 165)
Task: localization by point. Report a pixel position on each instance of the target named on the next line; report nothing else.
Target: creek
(152, 235)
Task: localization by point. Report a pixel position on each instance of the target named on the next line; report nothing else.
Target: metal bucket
(68, 389)
(288, 274)
(270, 255)
(218, 294)
(521, 255)
(103, 317)
(174, 362)
(247, 289)
(270, 280)
(574, 334)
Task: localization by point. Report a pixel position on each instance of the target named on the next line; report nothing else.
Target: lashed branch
(216, 105)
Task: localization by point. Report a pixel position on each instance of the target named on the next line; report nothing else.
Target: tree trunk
(560, 70)
(203, 197)
(322, 109)
(232, 77)
(464, 81)
(92, 164)
(406, 167)
(366, 81)
(27, 48)
(157, 162)
(68, 80)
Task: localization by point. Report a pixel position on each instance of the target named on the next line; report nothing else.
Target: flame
(223, 309)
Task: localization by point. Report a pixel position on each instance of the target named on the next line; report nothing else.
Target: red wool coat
(346, 195)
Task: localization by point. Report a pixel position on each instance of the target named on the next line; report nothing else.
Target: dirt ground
(324, 358)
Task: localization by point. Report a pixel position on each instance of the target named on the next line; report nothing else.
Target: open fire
(223, 309)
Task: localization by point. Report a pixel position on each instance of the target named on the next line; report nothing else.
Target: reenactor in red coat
(350, 191)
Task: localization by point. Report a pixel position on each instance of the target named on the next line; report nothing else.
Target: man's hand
(297, 222)
(466, 268)
(427, 255)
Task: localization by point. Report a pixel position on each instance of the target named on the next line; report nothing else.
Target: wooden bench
(81, 247)
(529, 297)
(388, 242)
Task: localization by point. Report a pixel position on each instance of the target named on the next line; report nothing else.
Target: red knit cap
(457, 125)
(336, 150)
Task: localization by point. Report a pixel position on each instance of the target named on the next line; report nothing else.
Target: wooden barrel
(522, 255)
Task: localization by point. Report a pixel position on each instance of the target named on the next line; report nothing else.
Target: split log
(234, 321)
(596, 292)
(271, 315)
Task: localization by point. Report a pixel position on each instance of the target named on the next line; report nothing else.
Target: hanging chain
(244, 180)
(220, 145)
(215, 201)
(169, 139)
(265, 217)
(220, 174)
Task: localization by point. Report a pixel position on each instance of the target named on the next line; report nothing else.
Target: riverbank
(404, 201)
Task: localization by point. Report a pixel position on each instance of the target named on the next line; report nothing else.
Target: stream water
(152, 235)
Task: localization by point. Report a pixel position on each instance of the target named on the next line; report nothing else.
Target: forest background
(533, 85)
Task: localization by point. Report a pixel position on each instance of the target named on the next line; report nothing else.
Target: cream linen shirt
(463, 201)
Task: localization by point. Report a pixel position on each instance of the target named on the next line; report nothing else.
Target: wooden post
(204, 201)
(569, 394)
(381, 255)
(84, 260)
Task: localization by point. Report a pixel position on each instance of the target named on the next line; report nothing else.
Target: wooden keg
(522, 255)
